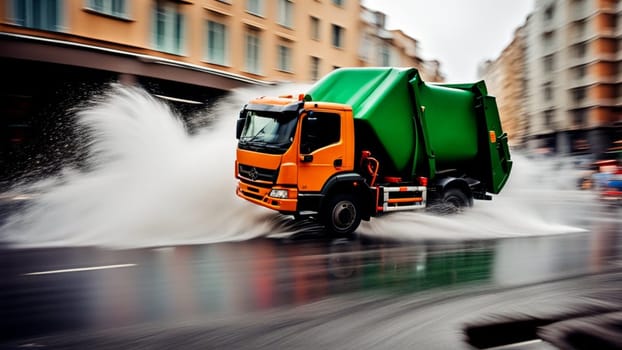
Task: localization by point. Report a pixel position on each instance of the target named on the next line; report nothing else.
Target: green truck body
(422, 128)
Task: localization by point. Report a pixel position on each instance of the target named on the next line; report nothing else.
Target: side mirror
(239, 127)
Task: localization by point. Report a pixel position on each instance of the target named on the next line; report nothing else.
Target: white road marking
(516, 345)
(79, 269)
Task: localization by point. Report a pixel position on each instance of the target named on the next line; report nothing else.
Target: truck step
(397, 198)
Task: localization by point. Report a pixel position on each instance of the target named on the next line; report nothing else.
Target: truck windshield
(268, 132)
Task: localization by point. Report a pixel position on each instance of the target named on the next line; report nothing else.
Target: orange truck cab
(289, 149)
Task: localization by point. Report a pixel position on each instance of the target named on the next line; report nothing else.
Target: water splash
(531, 204)
(151, 183)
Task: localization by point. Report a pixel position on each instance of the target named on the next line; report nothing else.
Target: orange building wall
(605, 69)
(134, 32)
(603, 92)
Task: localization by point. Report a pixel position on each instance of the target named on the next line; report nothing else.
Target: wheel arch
(348, 183)
(446, 183)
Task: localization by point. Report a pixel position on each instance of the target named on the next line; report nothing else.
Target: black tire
(341, 215)
(454, 201)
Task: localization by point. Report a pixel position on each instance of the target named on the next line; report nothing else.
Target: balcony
(582, 104)
(586, 35)
(368, 17)
(591, 102)
(384, 34)
(549, 48)
(605, 102)
(548, 27)
(581, 12)
(587, 80)
(574, 61)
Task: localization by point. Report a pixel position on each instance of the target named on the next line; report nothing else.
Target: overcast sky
(459, 33)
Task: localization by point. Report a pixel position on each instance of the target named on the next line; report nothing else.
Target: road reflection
(605, 243)
(186, 282)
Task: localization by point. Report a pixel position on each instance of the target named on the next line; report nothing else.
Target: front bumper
(261, 196)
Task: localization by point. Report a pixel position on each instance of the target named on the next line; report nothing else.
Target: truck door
(322, 150)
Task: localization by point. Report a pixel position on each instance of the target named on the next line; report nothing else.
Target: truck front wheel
(342, 214)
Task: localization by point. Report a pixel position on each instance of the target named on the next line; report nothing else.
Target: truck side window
(319, 130)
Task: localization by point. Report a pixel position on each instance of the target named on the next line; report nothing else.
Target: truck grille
(257, 174)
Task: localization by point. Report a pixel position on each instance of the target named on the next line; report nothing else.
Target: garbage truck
(363, 142)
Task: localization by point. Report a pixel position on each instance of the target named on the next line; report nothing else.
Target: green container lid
(379, 97)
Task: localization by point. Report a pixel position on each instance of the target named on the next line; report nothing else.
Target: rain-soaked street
(307, 290)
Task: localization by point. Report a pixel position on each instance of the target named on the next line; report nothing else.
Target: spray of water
(151, 183)
(527, 206)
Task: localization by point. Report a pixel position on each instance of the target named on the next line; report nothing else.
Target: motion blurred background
(554, 65)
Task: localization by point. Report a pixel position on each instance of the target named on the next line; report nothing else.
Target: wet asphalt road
(306, 291)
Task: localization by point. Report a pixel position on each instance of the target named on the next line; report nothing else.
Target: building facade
(380, 47)
(573, 66)
(261, 40)
(264, 40)
(505, 78)
(56, 53)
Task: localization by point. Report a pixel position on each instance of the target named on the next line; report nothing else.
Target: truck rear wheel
(454, 201)
(342, 214)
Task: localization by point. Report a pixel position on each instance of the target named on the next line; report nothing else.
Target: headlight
(278, 194)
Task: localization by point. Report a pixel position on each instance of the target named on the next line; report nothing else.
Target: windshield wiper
(254, 137)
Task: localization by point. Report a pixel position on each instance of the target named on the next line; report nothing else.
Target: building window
(580, 71)
(385, 55)
(337, 36)
(338, 2)
(45, 15)
(548, 118)
(549, 63)
(169, 29)
(216, 43)
(255, 7)
(579, 118)
(253, 50)
(315, 28)
(116, 8)
(549, 13)
(580, 50)
(579, 28)
(547, 39)
(286, 9)
(609, 21)
(285, 58)
(579, 94)
(365, 47)
(315, 68)
(548, 91)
